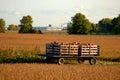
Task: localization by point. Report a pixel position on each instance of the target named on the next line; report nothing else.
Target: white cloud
(56, 12)
(17, 13)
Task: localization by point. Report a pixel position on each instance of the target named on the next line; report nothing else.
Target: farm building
(40, 28)
(49, 28)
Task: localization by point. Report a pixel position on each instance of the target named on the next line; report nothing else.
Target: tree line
(81, 25)
(24, 27)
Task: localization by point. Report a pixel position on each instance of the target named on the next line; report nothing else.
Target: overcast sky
(56, 12)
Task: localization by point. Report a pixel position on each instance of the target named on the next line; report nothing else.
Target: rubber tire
(92, 61)
(80, 61)
(61, 61)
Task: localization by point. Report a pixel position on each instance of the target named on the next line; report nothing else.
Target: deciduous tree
(13, 27)
(2, 25)
(26, 24)
(80, 25)
(105, 25)
(116, 25)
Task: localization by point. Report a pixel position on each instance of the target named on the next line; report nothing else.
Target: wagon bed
(81, 52)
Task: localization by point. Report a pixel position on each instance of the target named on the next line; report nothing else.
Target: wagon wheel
(61, 61)
(81, 61)
(92, 61)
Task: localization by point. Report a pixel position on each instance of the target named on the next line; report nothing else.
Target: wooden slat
(72, 49)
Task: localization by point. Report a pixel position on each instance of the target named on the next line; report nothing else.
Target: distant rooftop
(49, 28)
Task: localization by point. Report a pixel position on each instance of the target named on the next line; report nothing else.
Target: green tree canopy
(116, 25)
(69, 28)
(26, 24)
(94, 28)
(2, 25)
(105, 25)
(13, 27)
(79, 25)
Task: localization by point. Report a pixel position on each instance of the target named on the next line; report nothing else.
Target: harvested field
(110, 48)
(56, 72)
(110, 45)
